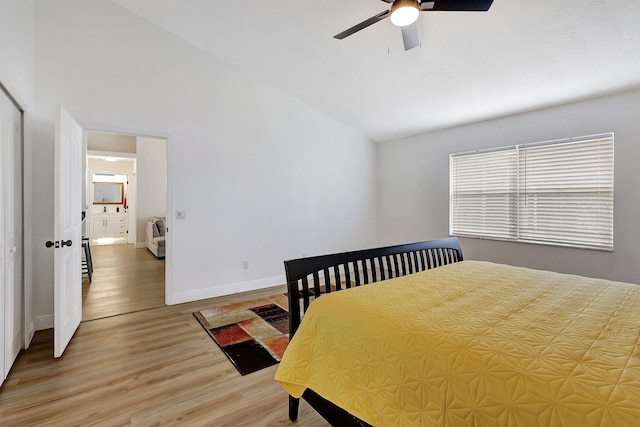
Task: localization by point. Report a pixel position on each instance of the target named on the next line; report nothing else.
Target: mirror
(108, 193)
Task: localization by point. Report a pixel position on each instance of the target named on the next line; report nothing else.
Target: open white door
(67, 257)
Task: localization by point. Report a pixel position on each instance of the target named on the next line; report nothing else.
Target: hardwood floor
(135, 361)
(125, 279)
(146, 368)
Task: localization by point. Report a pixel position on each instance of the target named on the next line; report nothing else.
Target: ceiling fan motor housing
(404, 12)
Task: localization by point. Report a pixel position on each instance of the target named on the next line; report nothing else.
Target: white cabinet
(109, 225)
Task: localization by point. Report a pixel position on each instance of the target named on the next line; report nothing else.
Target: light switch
(181, 214)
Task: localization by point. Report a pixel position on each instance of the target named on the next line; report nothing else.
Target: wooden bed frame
(309, 278)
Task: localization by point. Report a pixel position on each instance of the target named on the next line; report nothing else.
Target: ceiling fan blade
(458, 5)
(410, 36)
(362, 25)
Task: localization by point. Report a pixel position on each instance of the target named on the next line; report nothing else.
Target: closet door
(3, 241)
(11, 230)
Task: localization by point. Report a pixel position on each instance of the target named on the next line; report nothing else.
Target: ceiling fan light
(404, 12)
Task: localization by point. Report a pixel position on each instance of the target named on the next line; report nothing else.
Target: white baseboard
(43, 322)
(218, 291)
(31, 330)
(140, 245)
(46, 322)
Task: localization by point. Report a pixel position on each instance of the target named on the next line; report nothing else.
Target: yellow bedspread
(474, 343)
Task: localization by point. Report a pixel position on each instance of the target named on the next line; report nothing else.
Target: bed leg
(294, 404)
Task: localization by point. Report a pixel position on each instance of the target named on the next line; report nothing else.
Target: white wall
(17, 75)
(262, 176)
(16, 49)
(120, 167)
(413, 184)
(151, 182)
(106, 141)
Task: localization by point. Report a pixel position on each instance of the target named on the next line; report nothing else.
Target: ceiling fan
(404, 14)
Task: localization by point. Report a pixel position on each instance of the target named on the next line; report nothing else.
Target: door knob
(57, 243)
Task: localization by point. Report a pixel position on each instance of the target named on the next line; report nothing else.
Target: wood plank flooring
(125, 279)
(146, 368)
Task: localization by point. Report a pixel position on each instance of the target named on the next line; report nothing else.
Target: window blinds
(555, 192)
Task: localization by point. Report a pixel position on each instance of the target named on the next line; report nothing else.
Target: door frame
(168, 266)
(27, 326)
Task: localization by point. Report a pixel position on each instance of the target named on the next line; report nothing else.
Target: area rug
(252, 334)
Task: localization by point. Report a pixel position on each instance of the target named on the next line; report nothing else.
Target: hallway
(125, 280)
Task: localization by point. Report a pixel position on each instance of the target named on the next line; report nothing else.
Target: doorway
(110, 209)
(125, 185)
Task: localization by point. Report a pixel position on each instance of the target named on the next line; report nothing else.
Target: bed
(436, 340)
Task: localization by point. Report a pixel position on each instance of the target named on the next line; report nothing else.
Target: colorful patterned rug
(252, 334)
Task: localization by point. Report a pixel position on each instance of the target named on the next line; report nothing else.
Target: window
(555, 192)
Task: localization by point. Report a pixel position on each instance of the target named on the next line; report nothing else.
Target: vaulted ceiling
(520, 55)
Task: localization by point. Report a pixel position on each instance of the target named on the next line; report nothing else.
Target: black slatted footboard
(309, 278)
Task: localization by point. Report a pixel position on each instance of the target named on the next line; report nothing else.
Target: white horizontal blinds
(557, 192)
(566, 193)
(483, 194)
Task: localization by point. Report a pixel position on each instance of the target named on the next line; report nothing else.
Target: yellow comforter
(474, 343)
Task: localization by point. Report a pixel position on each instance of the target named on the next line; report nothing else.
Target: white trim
(233, 288)
(43, 322)
(98, 154)
(27, 200)
(127, 131)
(168, 266)
(31, 331)
(26, 168)
(141, 245)
(132, 205)
(27, 224)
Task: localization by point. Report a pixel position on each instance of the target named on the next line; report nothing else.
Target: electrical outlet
(181, 214)
(245, 265)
